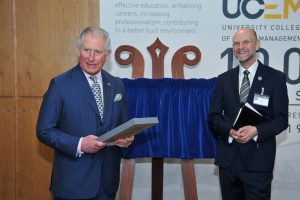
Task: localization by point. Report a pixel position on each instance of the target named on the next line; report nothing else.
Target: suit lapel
(83, 87)
(235, 86)
(256, 86)
(107, 94)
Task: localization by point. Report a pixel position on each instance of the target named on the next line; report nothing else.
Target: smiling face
(245, 44)
(92, 53)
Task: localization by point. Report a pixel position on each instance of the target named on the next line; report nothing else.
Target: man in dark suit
(80, 105)
(246, 156)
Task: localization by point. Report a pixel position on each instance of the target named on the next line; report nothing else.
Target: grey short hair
(94, 29)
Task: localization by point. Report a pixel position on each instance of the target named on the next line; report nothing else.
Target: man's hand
(125, 142)
(90, 144)
(244, 134)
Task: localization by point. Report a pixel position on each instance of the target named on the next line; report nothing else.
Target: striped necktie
(97, 93)
(245, 87)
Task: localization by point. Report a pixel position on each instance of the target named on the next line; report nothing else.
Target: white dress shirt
(99, 80)
(252, 70)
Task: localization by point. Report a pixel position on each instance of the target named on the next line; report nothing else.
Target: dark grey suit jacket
(260, 155)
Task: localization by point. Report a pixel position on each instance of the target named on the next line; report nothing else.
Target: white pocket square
(118, 97)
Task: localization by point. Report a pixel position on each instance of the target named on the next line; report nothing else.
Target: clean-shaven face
(244, 47)
(92, 54)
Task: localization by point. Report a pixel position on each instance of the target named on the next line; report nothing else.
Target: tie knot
(246, 72)
(94, 79)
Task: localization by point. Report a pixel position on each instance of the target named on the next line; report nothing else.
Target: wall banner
(209, 25)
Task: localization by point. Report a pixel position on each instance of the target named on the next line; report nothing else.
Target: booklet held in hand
(128, 129)
(247, 115)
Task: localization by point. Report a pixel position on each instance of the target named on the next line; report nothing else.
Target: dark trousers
(100, 196)
(238, 183)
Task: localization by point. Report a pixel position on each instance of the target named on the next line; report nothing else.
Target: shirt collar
(98, 75)
(252, 69)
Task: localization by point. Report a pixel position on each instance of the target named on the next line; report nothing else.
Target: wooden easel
(179, 59)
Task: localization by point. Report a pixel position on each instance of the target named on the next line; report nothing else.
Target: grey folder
(129, 128)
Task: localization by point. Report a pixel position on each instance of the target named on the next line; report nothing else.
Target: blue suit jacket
(225, 104)
(68, 112)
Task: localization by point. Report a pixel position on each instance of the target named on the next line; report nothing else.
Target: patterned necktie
(97, 93)
(245, 87)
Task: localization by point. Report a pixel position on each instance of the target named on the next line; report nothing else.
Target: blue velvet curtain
(181, 106)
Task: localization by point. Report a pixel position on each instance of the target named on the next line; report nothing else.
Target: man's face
(92, 55)
(244, 47)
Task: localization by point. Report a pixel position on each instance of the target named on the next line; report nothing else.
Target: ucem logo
(253, 9)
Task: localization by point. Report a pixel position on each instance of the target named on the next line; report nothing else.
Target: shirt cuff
(255, 138)
(230, 139)
(79, 152)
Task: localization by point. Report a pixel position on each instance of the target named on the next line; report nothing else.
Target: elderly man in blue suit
(246, 156)
(80, 105)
